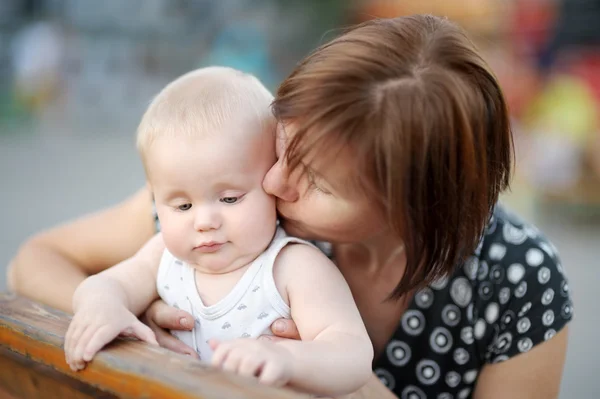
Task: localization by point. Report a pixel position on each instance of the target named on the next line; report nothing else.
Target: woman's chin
(292, 228)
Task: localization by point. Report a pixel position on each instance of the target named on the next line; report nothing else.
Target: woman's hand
(283, 329)
(161, 317)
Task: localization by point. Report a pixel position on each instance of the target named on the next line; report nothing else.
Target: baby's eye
(184, 207)
(229, 200)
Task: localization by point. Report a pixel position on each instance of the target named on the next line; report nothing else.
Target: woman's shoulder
(515, 245)
(520, 293)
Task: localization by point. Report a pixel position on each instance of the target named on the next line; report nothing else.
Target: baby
(207, 141)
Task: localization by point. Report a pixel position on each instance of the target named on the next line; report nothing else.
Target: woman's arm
(49, 266)
(532, 375)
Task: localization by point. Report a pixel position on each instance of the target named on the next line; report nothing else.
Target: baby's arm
(335, 354)
(106, 304)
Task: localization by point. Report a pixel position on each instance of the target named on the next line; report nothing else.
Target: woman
(394, 144)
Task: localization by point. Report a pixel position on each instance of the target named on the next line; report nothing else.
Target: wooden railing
(32, 365)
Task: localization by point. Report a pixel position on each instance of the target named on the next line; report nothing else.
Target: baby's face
(213, 211)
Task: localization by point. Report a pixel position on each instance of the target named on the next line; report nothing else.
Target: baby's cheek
(257, 224)
(175, 239)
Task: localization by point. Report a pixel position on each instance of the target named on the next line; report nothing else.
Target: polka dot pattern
(509, 296)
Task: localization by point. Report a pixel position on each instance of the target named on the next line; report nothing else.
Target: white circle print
(544, 275)
(453, 379)
(497, 274)
(470, 376)
(483, 270)
(492, 312)
(524, 309)
(461, 291)
(508, 318)
(440, 283)
(486, 290)
(424, 298)
(566, 310)
(524, 344)
(471, 265)
(502, 343)
(534, 257)
(549, 334)
(523, 325)
(500, 359)
(547, 297)
(547, 248)
(413, 322)
(479, 329)
(461, 356)
(497, 252)
(521, 289)
(548, 318)
(467, 335)
(504, 295)
(440, 340)
(513, 235)
(386, 378)
(428, 372)
(398, 353)
(515, 273)
(531, 231)
(451, 315)
(412, 392)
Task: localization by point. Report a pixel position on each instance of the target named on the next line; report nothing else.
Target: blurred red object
(531, 25)
(587, 67)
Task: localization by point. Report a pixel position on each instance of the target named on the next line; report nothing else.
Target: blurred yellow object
(565, 107)
(36, 98)
(37, 57)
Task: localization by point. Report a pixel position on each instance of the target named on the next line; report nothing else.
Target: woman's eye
(184, 207)
(312, 184)
(229, 200)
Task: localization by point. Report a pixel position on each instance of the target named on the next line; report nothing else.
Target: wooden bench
(32, 365)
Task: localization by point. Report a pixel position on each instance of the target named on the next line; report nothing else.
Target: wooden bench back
(32, 364)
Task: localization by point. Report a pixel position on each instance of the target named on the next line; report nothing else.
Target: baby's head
(207, 141)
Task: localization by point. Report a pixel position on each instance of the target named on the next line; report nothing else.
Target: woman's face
(322, 203)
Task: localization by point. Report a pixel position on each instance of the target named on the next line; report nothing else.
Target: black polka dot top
(509, 296)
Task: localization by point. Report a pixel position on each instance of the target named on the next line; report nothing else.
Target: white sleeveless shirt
(247, 311)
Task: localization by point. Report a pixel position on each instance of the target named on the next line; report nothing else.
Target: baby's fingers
(250, 366)
(220, 354)
(76, 353)
(72, 337)
(101, 337)
(271, 375)
(143, 332)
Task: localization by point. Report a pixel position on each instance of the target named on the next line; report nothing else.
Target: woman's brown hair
(427, 122)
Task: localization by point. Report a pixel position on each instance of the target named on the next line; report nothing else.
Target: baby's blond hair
(203, 101)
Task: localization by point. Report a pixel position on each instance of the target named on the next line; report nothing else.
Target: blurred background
(76, 75)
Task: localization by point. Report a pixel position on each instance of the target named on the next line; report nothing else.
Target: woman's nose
(277, 183)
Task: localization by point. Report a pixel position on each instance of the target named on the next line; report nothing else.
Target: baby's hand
(271, 363)
(94, 326)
